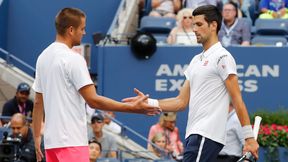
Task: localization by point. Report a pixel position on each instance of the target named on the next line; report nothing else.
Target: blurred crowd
(16, 130)
(164, 139)
(239, 16)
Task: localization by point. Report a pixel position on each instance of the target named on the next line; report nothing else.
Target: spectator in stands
(232, 151)
(109, 124)
(234, 30)
(109, 146)
(165, 8)
(141, 4)
(271, 9)
(95, 150)
(183, 32)
(166, 125)
(244, 7)
(196, 3)
(20, 103)
(238, 2)
(20, 129)
(160, 141)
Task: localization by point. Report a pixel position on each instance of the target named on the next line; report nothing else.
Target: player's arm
(37, 119)
(94, 100)
(179, 102)
(169, 104)
(233, 88)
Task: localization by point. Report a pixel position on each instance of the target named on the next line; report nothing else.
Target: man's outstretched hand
(140, 104)
(135, 98)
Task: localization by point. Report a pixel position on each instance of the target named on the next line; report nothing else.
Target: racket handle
(247, 156)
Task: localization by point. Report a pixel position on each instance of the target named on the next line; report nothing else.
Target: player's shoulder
(223, 53)
(222, 50)
(76, 58)
(75, 55)
(72, 56)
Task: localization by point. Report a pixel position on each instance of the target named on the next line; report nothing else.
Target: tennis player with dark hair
(62, 85)
(211, 78)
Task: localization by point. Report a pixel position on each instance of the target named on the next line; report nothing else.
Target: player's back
(64, 106)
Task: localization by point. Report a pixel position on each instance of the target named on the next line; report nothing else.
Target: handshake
(142, 104)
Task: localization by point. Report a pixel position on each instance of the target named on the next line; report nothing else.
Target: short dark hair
(211, 13)
(68, 17)
(93, 140)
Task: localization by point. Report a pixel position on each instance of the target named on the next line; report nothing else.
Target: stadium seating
(271, 26)
(157, 24)
(161, 38)
(165, 160)
(108, 160)
(136, 160)
(267, 40)
(160, 27)
(273, 32)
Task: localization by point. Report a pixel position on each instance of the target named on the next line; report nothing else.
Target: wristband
(247, 131)
(153, 102)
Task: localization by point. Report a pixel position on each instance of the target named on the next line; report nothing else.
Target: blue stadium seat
(108, 160)
(165, 160)
(271, 26)
(136, 160)
(161, 38)
(157, 24)
(263, 40)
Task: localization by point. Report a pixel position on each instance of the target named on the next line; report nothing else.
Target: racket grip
(250, 157)
(247, 157)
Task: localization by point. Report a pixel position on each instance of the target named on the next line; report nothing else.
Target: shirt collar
(212, 49)
(234, 23)
(61, 44)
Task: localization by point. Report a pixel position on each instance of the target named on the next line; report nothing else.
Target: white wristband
(153, 102)
(247, 131)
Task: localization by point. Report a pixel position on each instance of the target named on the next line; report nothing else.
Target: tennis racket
(248, 155)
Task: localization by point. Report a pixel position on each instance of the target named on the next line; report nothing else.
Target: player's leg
(210, 150)
(200, 149)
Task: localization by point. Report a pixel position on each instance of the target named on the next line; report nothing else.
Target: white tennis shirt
(209, 99)
(60, 73)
